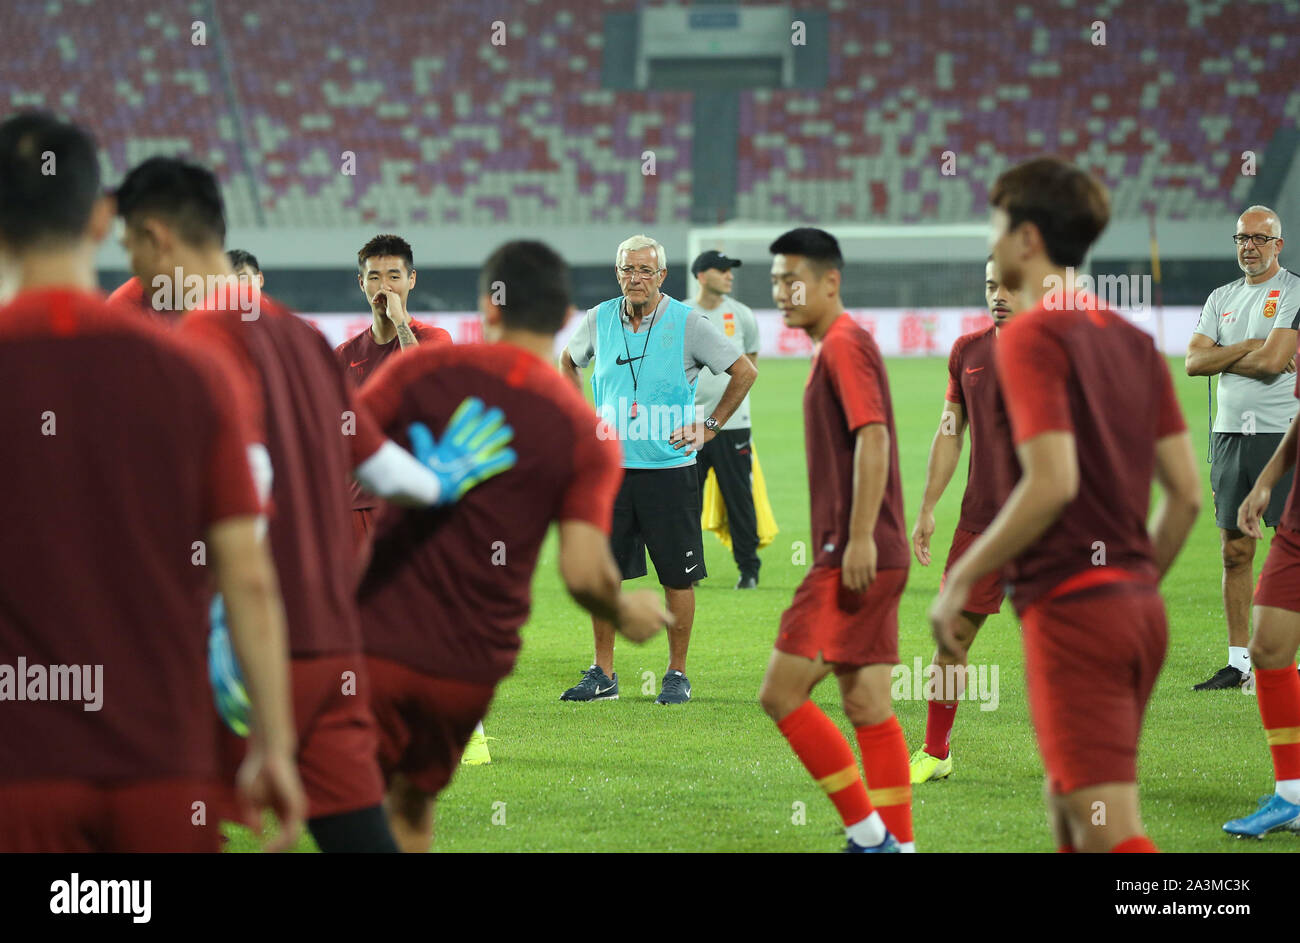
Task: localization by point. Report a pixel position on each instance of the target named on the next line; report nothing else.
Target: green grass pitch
(715, 775)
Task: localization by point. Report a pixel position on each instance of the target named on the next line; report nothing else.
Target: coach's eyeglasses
(644, 271)
(1257, 238)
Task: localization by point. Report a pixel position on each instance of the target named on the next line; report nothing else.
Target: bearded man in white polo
(647, 350)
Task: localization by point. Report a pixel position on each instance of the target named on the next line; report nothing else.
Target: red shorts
(1091, 660)
(424, 722)
(1279, 581)
(843, 627)
(337, 739)
(985, 596)
(64, 815)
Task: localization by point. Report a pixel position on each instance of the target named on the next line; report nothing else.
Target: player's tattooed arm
(406, 337)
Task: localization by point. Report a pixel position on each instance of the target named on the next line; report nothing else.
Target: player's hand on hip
(1251, 510)
(270, 781)
(692, 437)
(472, 450)
(1290, 366)
(921, 535)
(858, 566)
(641, 615)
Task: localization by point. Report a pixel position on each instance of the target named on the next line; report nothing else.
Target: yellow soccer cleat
(927, 768)
(476, 751)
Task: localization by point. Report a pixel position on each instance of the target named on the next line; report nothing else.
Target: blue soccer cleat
(223, 671)
(888, 846)
(1274, 812)
(472, 450)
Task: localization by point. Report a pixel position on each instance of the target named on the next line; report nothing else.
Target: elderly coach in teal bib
(647, 351)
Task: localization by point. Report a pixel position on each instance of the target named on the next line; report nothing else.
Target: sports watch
(711, 424)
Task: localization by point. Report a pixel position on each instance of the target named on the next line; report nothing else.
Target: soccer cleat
(594, 686)
(888, 846)
(927, 768)
(1226, 678)
(476, 751)
(676, 689)
(747, 582)
(1274, 812)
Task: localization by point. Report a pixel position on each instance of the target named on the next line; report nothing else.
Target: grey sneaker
(594, 686)
(676, 689)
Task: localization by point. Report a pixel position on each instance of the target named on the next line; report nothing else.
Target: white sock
(1238, 658)
(1289, 789)
(907, 847)
(478, 728)
(870, 831)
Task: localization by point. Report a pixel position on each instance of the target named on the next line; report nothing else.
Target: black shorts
(659, 509)
(1236, 461)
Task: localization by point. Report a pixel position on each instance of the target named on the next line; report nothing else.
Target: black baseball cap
(713, 259)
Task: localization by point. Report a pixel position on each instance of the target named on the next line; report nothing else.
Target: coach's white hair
(641, 241)
(1258, 208)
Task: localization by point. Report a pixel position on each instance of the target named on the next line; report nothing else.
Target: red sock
(1138, 843)
(1066, 850)
(1278, 693)
(828, 757)
(938, 727)
(889, 780)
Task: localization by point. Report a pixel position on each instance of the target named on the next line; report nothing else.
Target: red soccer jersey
(448, 588)
(124, 451)
(1092, 374)
(848, 389)
(316, 434)
(993, 469)
(1291, 513)
(360, 357)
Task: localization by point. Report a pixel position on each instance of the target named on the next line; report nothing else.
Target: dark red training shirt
(848, 389)
(316, 434)
(1291, 513)
(993, 469)
(1092, 374)
(448, 588)
(360, 357)
(124, 449)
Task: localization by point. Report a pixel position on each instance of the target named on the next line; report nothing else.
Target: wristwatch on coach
(711, 424)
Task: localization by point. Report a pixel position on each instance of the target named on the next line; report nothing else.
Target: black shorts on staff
(1236, 460)
(659, 509)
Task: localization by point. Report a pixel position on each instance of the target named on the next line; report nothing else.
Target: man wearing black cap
(729, 454)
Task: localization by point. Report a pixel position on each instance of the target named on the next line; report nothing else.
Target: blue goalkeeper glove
(223, 671)
(473, 448)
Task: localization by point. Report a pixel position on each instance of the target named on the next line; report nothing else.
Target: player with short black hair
(973, 401)
(441, 621)
(316, 436)
(1094, 419)
(844, 615)
(246, 268)
(141, 460)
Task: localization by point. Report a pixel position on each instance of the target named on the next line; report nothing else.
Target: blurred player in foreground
(1274, 641)
(315, 437)
(844, 616)
(973, 401)
(1094, 418)
(101, 601)
(448, 590)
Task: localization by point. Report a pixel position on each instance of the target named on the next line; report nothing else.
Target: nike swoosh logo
(620, 361)
(600, 690)
(357, 363)
(974, 369)
(1226, 313)
(689, 568)
(743, 445)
